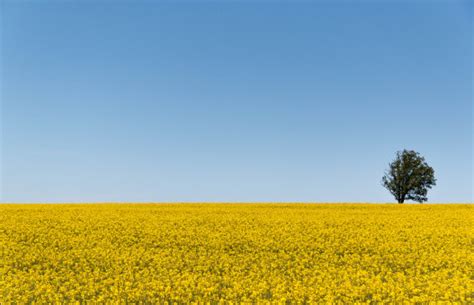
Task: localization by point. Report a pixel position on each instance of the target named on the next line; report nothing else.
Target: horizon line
(228, 202)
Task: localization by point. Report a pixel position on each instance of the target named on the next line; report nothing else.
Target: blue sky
(239, 101)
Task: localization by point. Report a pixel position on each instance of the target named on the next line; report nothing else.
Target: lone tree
(409, 177)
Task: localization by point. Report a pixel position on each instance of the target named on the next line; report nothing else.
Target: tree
(409, 177)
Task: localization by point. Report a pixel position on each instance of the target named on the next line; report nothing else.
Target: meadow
(236, 253)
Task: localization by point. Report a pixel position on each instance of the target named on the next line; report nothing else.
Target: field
(236, 253)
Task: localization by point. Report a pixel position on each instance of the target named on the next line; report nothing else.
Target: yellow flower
(235, 253)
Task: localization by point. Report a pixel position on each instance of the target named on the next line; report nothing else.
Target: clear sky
(236, 101)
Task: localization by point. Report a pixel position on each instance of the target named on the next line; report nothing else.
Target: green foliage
(409, 177)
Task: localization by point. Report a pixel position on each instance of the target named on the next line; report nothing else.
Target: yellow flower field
(236, 253)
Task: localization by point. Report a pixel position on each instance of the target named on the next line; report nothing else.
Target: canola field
(236, 253)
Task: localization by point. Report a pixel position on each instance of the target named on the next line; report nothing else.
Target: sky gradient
(239, 101)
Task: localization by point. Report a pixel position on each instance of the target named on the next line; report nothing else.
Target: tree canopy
(409, 177)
